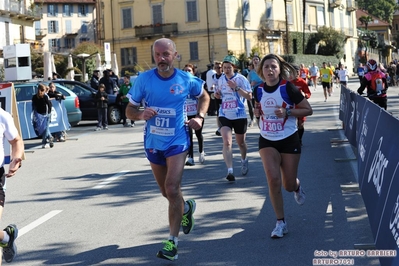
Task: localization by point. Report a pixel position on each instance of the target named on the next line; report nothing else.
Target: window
(83, 39)
(52, 26)
(269, 10)
(68, 26)
(194, 51)
(69, 43)
(192, 10)
(126, 18)
(289, 14)
(157, 14)
(67, 10)
(83, 10)
(128, 56)
(38, 28)
(320, 16)
(7, 26)
(271, 47)
(83, 27)
(52, 10)
(54, 44)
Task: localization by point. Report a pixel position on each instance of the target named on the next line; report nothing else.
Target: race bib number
(272, 125)
(325, 76)
(229, 105)
(191, 107)
(164, 123)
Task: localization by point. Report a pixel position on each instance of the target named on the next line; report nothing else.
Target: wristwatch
(288, 111)
(237, 88)
(200, 115)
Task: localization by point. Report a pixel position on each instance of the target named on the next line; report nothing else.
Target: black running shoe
(187, 221)
(169, 251)
(231, 177)
(10, 249)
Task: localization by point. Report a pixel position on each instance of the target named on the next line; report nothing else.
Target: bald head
(166, 43)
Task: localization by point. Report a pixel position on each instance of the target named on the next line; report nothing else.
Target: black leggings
(2, 182)
(251, 105)
(200, 138)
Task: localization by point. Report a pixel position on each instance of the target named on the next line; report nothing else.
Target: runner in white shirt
(233, 89)
(343, 75)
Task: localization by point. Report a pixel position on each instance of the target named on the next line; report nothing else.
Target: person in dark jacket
(42, 105)
(102, 108)
(94, 81)
(108, 82)
(53, 93)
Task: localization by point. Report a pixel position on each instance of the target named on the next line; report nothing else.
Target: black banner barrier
(374, 132)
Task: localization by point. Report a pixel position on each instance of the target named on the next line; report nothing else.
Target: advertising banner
(59, 118)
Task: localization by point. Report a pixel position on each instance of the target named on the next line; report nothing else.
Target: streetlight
(84, 57)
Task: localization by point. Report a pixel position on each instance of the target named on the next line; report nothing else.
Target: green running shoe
(169, 251)
(187, 221)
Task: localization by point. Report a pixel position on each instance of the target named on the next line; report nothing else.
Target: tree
(365, 20)
(89, 48)
(368, 36)
(330, 41)
(382, 9)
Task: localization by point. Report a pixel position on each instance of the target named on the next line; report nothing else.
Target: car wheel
(114, 115)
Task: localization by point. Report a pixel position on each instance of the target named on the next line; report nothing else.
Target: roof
(375, 23)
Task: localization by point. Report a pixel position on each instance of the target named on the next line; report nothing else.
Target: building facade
(206, 30)
(65, 24)
(17, 18)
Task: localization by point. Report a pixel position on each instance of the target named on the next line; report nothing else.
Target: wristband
(288, 111)
(237, 88)
(200, 115)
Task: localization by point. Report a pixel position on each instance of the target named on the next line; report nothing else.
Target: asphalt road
(93, 201)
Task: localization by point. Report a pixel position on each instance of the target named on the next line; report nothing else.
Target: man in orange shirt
(304, 72)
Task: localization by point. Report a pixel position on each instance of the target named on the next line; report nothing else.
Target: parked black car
(87, 101)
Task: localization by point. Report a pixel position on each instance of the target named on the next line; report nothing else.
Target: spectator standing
(164, 91)
(102, 108)
(41, 106)
(53, 93)
(123, 91)
(9, 132)
(392, 73)
(233, 88)
(278, 105)
(108, 82)
(94, 81)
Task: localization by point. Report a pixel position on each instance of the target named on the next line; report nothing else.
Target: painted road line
(38, 222)
(111, 179)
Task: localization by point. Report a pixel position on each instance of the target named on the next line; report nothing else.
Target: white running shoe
(300, 196)
(280, 230)
(190, 162)
(244, 167)
(201, 158)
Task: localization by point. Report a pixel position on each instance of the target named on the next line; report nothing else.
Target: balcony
(351, 5)
(71, 33)
(40, 34)
(18, 10)
(274, 25)
(348, 32)
(335, 3)
(149, 31)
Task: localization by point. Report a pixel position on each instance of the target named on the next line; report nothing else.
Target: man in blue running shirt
(163, 91)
